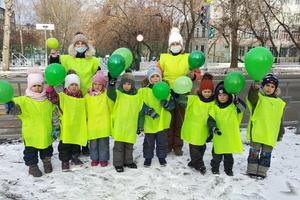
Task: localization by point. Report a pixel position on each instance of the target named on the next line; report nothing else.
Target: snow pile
(175, 181)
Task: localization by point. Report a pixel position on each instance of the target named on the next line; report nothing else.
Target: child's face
(206, 93)
(154, 78)
(97, 87)
(37, 88)
(73, 88)
(269, 88)
(126, 86)
(223, 98)
(80, 44)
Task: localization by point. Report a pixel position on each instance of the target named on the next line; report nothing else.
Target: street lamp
(139, 38)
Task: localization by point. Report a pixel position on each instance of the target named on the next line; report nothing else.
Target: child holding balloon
(98, 108)
(195, 129)
(73, 120)
(265, 125)
(156, 129)
(35, 112)
(224, 121)
(128, 104)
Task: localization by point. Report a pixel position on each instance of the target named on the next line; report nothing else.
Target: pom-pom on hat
(175, 36)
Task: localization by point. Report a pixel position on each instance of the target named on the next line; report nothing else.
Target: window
(202, 48)
(197, 34)
(197, 47)
(203, 31)
(241, 51)
(273, 51)
(293, 52)
(298, 2)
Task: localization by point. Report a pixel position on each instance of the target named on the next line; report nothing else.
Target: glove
(111, 81)
(235, 99)
(217, 131)
(9, 106)
(164, 103)
(49, 89)
(209, 138)
(139, 131)
(55, 133)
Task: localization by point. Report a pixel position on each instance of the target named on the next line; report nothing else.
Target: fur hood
(90, 52)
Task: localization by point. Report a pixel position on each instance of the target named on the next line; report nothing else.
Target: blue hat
(270, 78)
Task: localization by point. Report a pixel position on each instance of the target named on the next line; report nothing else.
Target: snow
(175, 181)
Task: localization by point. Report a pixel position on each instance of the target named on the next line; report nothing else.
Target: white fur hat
(35, 77)
(72, 78)
(175, 36)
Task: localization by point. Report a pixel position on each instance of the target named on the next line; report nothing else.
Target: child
(124, 119)
(73, 120)
(99, 108)
(195, 129)
(35, 112)
(155, 129)
(224, 123)
(265, 124)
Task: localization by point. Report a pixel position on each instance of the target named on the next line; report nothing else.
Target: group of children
(124, 112)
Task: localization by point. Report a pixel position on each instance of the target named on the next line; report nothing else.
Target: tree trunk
(6, 34)
(234, 28)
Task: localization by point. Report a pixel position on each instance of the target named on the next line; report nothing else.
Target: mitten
(217, 131)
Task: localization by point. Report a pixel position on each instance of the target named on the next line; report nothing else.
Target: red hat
(206, 83)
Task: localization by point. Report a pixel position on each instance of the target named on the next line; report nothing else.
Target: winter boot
(215, 170)
(162, 162)
(147, 162)
(131, 165)
(103, 163)
(202, 170)
(119, 168)
(76, 161)
(178, 152)
(35, 171)
(229, 172)
(85, 151)
(47, 165)
(65, 166)
(94, 163)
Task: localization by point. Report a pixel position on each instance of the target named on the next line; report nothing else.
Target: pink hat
(35, 77)
(99, 78)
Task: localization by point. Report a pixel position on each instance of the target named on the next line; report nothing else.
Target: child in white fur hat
(35, 112)
(73, 120)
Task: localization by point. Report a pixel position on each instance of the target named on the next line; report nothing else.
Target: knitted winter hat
(99, 78)
(152, 71)
(206, 82)
(220, 89)
(35, 77)
(270, 78)
(70, 79)
(175, 36)
(80, 37)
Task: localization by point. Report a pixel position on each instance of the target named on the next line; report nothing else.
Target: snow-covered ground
(175, 181)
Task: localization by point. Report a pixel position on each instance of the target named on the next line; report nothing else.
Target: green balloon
(6, 91)
(196, 59)
(126, 54)
(52, 43)
(55, 74)
(234, 82)
(161, 90)
(183, 85)
(258, 62)
(116, 65)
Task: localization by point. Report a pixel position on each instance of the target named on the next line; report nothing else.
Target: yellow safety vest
(99, 109)
(36, 119)
(195, 129)
(84, 67)
(265, 120)
(174, 66)
(125, 117)
(73, 120)
(228, 121)
(163, 121)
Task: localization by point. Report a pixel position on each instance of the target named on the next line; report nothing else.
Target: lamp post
(139, 38)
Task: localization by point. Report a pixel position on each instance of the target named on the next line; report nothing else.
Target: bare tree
(6, 37)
